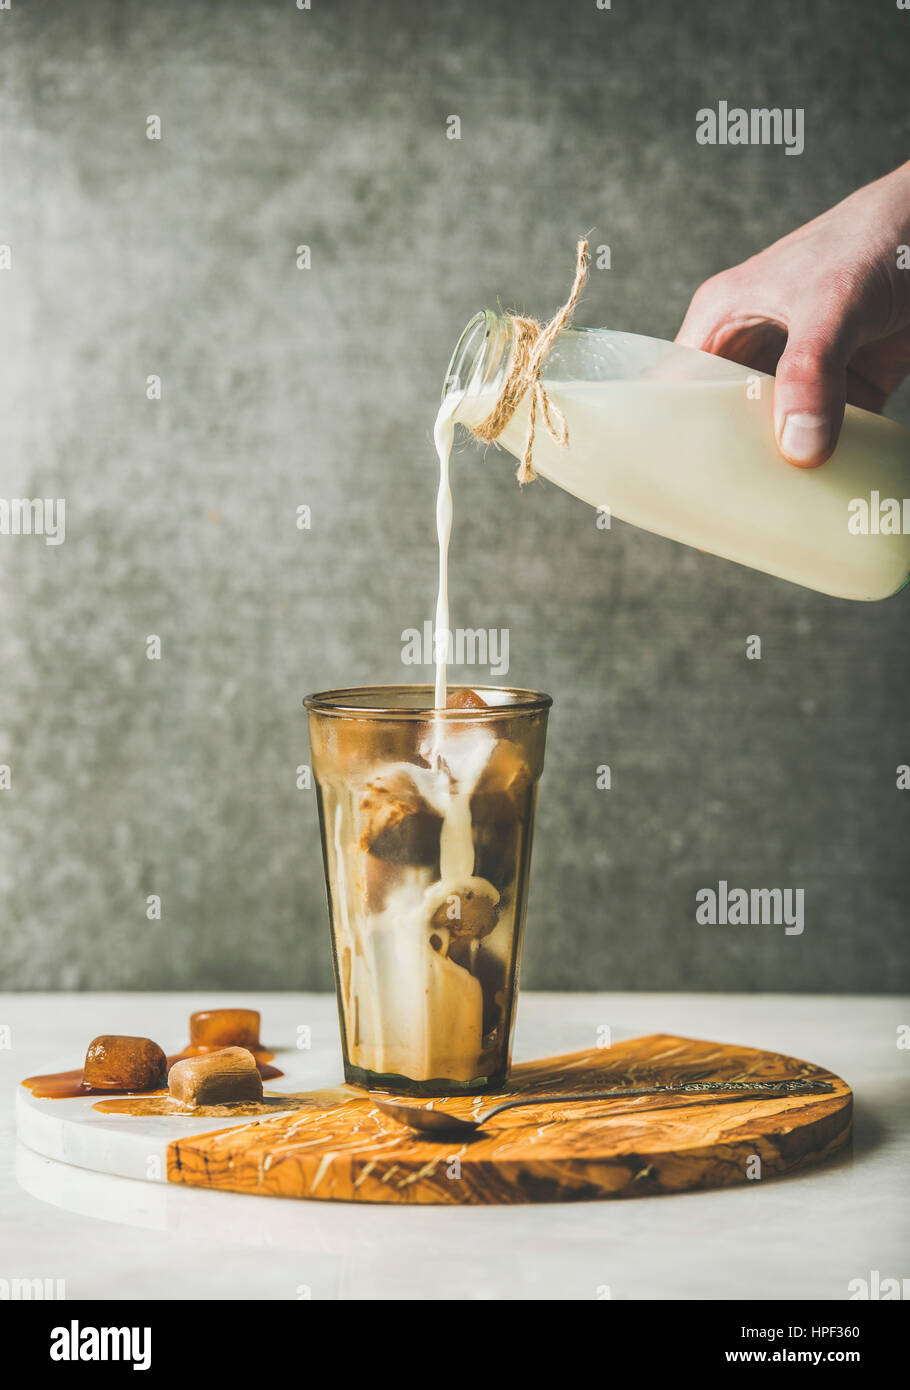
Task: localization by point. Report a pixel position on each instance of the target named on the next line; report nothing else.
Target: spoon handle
(789, 1086)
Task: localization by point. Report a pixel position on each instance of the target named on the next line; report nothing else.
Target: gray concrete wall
(283, 387)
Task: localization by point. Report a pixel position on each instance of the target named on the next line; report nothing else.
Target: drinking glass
(427, 818)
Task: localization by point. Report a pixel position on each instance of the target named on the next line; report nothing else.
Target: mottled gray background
(284, 387)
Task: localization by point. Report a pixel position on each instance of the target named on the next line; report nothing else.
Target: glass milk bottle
(682, 443)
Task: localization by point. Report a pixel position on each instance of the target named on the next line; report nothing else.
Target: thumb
(809, 394)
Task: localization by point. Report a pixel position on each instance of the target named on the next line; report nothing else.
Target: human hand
(826, 306)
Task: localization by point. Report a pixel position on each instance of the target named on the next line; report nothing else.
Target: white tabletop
(800, 1237)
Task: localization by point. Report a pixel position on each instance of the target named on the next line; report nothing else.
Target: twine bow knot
(530, 344)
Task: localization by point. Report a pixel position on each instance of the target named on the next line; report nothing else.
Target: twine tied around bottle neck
(531, 342)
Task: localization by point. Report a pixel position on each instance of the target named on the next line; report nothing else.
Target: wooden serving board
(340, 1147)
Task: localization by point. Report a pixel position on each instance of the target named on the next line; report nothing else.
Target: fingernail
(804, 438)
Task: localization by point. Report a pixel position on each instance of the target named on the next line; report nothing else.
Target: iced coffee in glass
(427, 818)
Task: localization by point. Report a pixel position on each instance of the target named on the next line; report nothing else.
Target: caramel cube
(471, 912)
(215, 1078)
(502, 789)
(116, 1062)
(225, 1028)
(465, 699)
(397, 824)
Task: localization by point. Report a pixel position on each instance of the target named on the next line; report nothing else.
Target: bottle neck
(481, 355)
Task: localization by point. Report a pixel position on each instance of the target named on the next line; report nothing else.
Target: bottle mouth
(479, 354)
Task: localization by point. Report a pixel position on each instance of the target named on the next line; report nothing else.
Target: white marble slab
(132, 1146)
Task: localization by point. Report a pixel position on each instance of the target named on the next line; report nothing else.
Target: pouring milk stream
(413, 1010)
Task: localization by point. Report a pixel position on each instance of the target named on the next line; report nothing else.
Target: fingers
(810, 385)
(809, 395)
(701, 328)
(717, 322)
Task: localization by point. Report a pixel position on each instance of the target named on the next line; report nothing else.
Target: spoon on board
(429, 1121)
